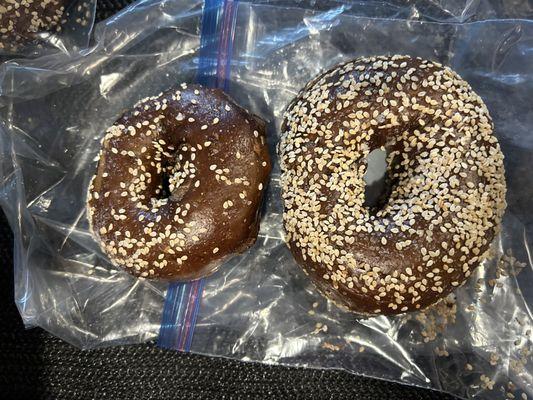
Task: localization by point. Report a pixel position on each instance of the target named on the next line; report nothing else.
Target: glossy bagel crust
(179, 184)
(445, 172)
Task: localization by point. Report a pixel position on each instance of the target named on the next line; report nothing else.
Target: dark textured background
(33, 364)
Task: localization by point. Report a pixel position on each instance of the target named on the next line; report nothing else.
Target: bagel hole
(165, 186)
(177, 194)
(376, 180)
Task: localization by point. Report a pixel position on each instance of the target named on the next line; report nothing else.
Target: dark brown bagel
(179, 184)
(20, 20)
(444, 165)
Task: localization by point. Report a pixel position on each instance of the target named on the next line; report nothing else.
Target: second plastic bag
(70, 33)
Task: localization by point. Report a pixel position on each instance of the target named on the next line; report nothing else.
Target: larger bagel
(445, 168)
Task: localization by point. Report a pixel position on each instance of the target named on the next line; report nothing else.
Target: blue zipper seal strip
(183, 300)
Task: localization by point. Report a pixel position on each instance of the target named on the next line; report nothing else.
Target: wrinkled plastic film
(447, 11)
(260, 306)
(63, 282)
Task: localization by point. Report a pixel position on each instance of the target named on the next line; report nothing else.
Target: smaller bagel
(179, 184)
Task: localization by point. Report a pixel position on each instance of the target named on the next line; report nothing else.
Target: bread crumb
(330, 346)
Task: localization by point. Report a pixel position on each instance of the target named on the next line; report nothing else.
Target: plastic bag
(72, 34)
(260, 306)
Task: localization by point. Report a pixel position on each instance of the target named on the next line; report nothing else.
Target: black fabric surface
(106, 8)
(34, 364)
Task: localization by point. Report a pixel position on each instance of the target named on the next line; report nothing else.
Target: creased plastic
(73, 34)
(260, 306)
